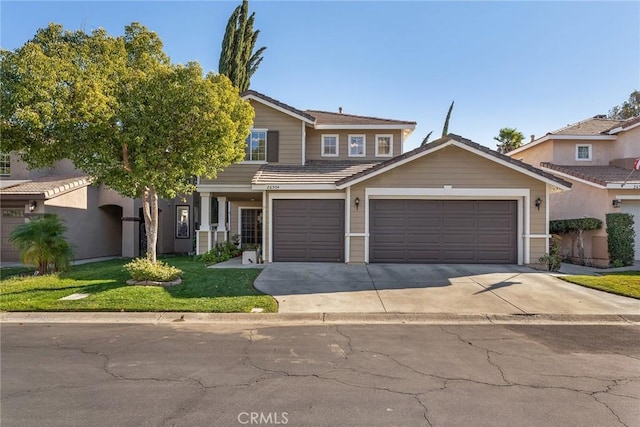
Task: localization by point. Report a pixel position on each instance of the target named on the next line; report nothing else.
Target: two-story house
(100, 222)
(596, 156)
(336, 187)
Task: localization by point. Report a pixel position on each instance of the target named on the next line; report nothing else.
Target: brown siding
(314, 143)
(290, 130)
(235, 175)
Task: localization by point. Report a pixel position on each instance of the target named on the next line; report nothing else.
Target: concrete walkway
(453, 289)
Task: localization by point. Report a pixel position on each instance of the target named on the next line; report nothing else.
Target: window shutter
(273, 137)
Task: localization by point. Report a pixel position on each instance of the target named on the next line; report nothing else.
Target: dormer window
(5, 164)
(583, 152)
(256, 149)
(330, 145)
(357, 144)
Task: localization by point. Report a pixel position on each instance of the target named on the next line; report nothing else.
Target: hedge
(620, 239)
(565, 226)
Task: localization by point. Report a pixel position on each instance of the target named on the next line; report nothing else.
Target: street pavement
(222, 374)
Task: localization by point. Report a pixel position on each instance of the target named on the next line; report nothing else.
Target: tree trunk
(580, 247)
(150, 210)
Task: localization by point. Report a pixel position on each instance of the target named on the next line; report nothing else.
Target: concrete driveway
(456, 289)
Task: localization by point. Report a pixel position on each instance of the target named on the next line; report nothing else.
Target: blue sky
(536, 66)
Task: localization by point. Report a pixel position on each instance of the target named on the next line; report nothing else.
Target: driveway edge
(316, 318)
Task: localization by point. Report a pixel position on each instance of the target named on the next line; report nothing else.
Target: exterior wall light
(616, 203)
(357, 202)
(538, 203)
(33, 205)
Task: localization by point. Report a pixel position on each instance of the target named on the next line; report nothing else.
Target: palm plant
(42, 244)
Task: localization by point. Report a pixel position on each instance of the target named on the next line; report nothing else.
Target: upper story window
(256, 149)
(357, 145)
(5, 164)
(583, 152)
(384, 145)
(330, 145)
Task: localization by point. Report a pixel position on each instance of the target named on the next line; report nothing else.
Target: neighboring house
(333, 187)
(100, 222)
(597, 156)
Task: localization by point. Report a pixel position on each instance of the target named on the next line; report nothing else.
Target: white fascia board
(365, 127)
(623, 186)
(220, 188)
(572, 178)
(281, 187)
(464, 147)
(447, 192)
(277, 107)
(628, 196)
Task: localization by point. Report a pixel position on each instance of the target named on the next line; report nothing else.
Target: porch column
(205, 212)
(221, 231)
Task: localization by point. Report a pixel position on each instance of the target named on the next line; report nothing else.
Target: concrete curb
(318, 318)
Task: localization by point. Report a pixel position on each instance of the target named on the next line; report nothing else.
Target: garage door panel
(440, 231)
(308, 230)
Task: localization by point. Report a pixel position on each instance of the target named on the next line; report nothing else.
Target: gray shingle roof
(46, 187)
(278, 103)
(329, 118)
(462, 140)
(602, 175)
(592, 126)
(312, 172)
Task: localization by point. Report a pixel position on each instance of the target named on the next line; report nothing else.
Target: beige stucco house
(336, 187)
(596, 156)
(100, 221)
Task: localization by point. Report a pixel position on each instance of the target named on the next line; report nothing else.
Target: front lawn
(626, 283)
(202, 290)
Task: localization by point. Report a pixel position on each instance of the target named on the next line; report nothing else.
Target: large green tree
(628, 109)
(508, 140)
(120, 110)
(238, 61)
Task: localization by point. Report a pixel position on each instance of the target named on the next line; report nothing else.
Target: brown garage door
(308, 230)
(11, 217)
(443, 231)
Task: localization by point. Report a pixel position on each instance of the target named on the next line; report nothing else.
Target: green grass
(202, 290)
(626, 283)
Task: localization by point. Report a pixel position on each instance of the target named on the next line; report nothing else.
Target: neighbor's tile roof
(312, 172)
(592, 126)
(602, 175)
(47, 186)
(278, 103)
(462, 140)
(329, 118)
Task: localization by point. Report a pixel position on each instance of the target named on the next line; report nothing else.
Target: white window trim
(385, 135)
(364, 145)
(6, 157)
(337, 137)
(578, 146)
(259, 162)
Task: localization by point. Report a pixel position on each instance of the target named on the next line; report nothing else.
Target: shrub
(42, 243)
(222, 251)
(575, 227)
(143, 269)
(552, 259)
(620, 239)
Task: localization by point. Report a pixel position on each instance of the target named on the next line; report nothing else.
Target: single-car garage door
(308, 230)
(443, 231)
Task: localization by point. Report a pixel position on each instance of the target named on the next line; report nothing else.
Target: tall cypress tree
(238, 61)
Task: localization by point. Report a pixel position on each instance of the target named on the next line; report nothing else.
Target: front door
(250, 226)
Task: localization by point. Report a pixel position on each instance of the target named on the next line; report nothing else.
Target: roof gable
(329, 119)
(460, 142)
(280, 106)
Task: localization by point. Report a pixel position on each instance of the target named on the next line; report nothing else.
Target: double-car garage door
(400, 231)
(443, 231)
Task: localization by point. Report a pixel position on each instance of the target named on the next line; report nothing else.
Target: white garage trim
(294, 196)
(521, 195)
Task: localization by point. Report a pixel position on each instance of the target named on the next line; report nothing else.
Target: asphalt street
(185, 374)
